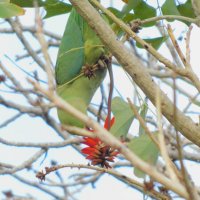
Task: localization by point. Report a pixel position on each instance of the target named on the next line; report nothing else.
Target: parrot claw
(104, 62)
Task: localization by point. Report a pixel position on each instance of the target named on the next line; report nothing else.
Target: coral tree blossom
(98, 152)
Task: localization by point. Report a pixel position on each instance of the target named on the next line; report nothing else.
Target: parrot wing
(71, 51)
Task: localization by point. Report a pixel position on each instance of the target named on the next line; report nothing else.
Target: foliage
(139, 137)
(8, 9)
(145, 149)
(123, 117)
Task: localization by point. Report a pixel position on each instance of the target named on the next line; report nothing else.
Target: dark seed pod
(2, 78)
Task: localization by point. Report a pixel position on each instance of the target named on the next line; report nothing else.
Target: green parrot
(80, 46)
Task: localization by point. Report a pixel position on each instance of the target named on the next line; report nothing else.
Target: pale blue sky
(35, 130)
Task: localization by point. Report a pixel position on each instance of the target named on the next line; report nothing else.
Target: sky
(34, 130)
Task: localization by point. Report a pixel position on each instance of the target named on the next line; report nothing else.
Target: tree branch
(136, 70)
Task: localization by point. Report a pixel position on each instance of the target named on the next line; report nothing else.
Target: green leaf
(54, 8)
(116, 12)
(155, 42)
(196, 102)
(123, 117)
(27, 3)
(114, 26)
(143, 112)
(137, 6)
(169, 8)
(132, 4)
(71, 52)
(149, 12)
(8, 10)
(4, 1)
(129, 17)
(186, 9)
(144, 148)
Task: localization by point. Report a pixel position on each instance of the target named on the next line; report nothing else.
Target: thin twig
(42, 145)
(169, 165)
(187, 41)
(190, 189)
(176, 46)
(16, 26)
(142, 122)
(176, 17)
(110, 94)
(12, 119)
(78, 131)
(25, 164)
(37, 185)
(44, 47)
(32, 30)
(116, 174)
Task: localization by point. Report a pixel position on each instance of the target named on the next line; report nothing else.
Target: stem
(110, 94)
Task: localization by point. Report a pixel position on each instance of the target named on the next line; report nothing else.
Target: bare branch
(25, 164)
(136, 70)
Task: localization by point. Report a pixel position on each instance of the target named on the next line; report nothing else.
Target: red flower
(97, 151)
